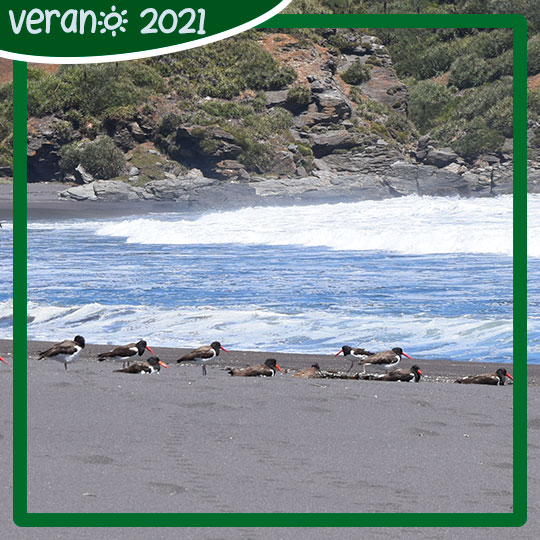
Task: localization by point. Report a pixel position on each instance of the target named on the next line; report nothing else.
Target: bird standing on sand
(386, 359)
(65, 352)
(352, 354)
(152, 365)
(5, 361)
(314, 372)
(403, 375)
(125, 353)
(495, 379)
(268, 369)
(203, 355)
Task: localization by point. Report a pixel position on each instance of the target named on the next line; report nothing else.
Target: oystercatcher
(152, 365)
(353, 354)
(203, 355)
(65, 352)
(404, 375)
(5, 361)
(127, 352)
(495, 379)
(314, 372)
(268, 369)
(386, 359)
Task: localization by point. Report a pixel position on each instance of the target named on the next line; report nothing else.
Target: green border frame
(516, 518)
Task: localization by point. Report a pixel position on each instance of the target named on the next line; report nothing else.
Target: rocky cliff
(343, 132)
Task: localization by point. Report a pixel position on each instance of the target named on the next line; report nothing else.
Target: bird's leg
(350, 367)
(203, 369)
(65, 366)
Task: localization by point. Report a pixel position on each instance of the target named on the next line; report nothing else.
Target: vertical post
(520, 267)
(19, 293)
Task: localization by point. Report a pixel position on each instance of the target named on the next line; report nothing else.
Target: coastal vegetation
(222, 103)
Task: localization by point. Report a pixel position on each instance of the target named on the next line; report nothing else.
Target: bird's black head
(417, 373)
(216, 345)
(316, 366)
(346, 350)
(272, 364)
(502, 374)
(141, 346)
(398, 350)
(153, 361)
(79, 340)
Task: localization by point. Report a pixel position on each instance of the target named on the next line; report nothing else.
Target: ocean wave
(406, 225)
(460, 338)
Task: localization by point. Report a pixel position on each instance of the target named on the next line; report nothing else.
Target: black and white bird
(496, 379)
(268, 369)
(203, 355)
(5, 361)
(385, 359)
(353, 354)
(125, 353)
(152, 365)
(65, 352)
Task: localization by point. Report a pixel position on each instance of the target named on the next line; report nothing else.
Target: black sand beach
(178, 442)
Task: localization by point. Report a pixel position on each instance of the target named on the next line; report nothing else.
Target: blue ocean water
(432, 275)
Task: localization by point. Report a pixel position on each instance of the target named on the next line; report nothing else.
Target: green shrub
(356, 74)
(533, 55)
(70, 157)
(500, 117)
(477, 101)
(299, 95)
(277, 120)
(169, 123)
(91, 89)
(6, 110)
(533, 103)
(501, 66)
(226, 109)
(490, 44)
(468, 71)
(345, 40)
(117, 114)
(374, 61)
(400, 125)
(427, 100)
(229, 67)
(101, 158)
(477, 139)
(63, 131)
(534, 141)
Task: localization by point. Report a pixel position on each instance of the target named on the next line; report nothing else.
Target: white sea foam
(408, 225)
(258, 329)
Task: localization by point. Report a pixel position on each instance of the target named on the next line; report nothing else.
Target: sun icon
(113, 21)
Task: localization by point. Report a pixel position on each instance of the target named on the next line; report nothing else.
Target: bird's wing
(362, 352)
(122, 351)
(136, 367)
(384, 357)
(65, 347)
(202, 352)
(254, 371)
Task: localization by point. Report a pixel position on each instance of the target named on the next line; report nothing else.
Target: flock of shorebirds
(68, 350)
